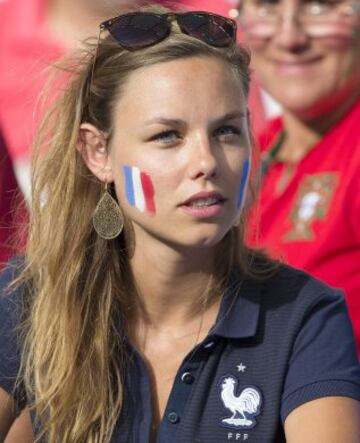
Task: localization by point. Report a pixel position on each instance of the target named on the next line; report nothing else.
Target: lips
(296, 61)
(204, 205)
(203, 199)
(295, 65)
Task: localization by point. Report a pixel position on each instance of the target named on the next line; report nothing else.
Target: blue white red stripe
(139, 189)
(244, 183)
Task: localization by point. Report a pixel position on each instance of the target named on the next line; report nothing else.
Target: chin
(310, 100)
(204, 235)
(304, 103)
(199, 238)
(204, 238)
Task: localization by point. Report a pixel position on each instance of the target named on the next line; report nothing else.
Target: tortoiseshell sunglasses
(137, 30)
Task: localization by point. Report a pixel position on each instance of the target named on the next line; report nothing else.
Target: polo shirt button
(209, 345)
(187, 378)
(173, 418)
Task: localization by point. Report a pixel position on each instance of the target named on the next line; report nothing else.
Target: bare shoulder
(21, 430)
(7, 413)
(13, 429)
(328, 419)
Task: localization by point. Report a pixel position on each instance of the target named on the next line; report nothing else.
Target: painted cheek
(339, 42)
(243, 183)
(139, 190)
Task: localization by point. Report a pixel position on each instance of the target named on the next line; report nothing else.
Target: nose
(203, 162)
(291, 34)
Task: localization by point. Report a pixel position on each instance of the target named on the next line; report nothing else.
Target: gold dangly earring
(108, 219)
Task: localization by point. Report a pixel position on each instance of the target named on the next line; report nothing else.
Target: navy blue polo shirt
(276, 344)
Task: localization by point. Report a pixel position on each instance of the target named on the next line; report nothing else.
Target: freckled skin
(198, 154)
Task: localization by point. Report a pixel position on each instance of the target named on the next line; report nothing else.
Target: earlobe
(92, 145)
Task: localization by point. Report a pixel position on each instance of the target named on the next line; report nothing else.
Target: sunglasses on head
(137, 30)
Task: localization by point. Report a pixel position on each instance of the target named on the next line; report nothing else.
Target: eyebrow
(178, 122)
(166, 121)
(230, 116)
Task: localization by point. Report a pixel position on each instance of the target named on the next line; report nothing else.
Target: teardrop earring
(108, 219)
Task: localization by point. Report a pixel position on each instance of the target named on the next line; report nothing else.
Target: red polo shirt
(313, 222)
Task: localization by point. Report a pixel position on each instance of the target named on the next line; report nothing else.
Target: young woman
(141, 316)
(306, 55)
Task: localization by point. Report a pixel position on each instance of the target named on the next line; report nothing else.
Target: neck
(300, 138)
(303, 132)
(171, 282)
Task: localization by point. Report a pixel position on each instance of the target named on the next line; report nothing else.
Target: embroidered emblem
(244, 406)
(311, 204)
(241, 367)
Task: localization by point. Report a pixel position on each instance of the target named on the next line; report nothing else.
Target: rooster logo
(244, 407)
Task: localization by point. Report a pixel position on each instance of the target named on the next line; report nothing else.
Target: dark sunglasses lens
(135, 31)
(214, 30)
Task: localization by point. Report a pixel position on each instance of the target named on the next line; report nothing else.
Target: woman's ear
(92, 145)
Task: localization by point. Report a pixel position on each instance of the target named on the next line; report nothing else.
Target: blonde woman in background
(138, 314)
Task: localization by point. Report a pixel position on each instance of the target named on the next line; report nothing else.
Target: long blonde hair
(79, 286)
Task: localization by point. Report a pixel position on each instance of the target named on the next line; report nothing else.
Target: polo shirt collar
(239, 311)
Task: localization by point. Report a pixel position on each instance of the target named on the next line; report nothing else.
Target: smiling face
(179, 148)
(308, 69)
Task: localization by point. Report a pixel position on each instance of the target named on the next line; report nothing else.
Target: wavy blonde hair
(79, 286)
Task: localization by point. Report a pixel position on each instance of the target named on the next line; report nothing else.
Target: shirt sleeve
(10, 315)
(324, 361)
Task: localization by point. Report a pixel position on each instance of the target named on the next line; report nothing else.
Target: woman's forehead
(178, 88)
(190, 72)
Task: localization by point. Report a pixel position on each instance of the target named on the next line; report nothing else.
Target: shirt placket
(185, 381)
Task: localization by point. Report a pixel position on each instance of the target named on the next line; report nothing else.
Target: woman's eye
(227, 132)
(166, 137)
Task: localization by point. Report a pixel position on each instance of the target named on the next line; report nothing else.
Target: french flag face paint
(139, 189)
(243, 183)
